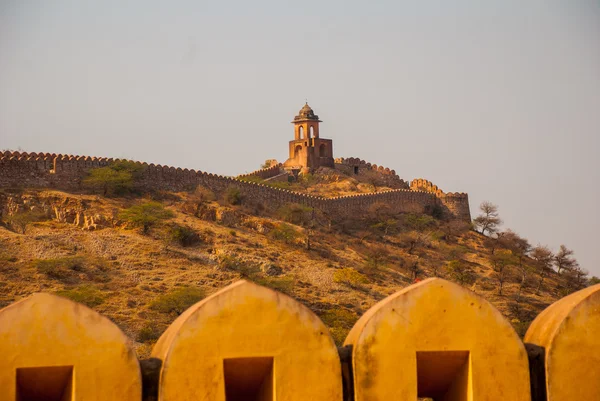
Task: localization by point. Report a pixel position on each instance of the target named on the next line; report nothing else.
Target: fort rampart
(44, 170)
(433, 339)
(264, 173)
(354, 165)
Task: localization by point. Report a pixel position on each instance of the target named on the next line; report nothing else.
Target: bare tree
(488, 220)
(501, 263)
(520, 247)
(576, 278)
(564, 259)
(460, 272)
(543, 258)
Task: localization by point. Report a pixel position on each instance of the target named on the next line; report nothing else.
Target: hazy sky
(500, 99)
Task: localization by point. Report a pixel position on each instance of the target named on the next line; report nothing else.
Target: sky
(500, 99)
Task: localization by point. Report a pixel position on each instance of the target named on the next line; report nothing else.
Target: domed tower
(308, 151)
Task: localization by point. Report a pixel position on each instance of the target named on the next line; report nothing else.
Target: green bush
(349, 277)
(251, 178)
(18, 222)
(233, 196)
(418, 222)
(339, 321)
(85, 294)
(233, 263)
(281, 284)
(285, 233)
(178, 300)
(204, 194)
(295, 213)
(183, 235)
(118, 178)
(67, 268)
(146, 215)
(460, 272)
(148, 333)
(60, 268)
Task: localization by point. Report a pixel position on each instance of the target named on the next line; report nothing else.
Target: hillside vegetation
(142, 259)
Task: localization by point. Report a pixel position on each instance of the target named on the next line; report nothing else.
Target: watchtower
(308, 151)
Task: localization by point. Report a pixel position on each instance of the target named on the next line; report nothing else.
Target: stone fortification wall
(67, 172)
(264, 173)
(455, 203)
(356, 166)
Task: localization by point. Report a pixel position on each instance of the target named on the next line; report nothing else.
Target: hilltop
(88, 248)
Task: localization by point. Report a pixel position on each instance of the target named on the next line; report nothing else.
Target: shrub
(233, 263)
(117, 178)
(285, 233)
(418, 222)
(436, 211)
(281, 284)
(460, 272)
(204, 194)
(178, 300)
(183, 235)
(349, 277)
(295, 213)
(18, 222)
(60, 268)
(145, 215)
(251, 178)
(339, 321)
(148, 333)
(233, 196)
(85, 294)
(66, 268)
(376, 258)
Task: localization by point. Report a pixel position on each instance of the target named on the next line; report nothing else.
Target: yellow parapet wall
(252, 343)
(569, 331)
(436, 339)
(54, 349)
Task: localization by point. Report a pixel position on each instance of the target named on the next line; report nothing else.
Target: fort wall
(354, 165)
(44, 170)
(264, 173)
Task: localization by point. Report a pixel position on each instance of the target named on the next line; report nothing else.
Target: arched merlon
(247, 339)
(569, 331)
(67, 172)
(51, 345)
(437, 339)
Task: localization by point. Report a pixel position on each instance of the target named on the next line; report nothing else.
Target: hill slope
(82, 247)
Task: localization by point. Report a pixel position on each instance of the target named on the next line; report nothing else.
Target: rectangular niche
(248, 379)
(444, 375)
(45, 383)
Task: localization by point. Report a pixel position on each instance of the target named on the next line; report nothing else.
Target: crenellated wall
(67, 172)
(455, 203)
(354, 165)
(264, 173)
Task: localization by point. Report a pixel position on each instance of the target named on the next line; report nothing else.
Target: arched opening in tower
(323, 150)
(297, 150)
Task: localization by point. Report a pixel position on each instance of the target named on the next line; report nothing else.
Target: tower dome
(306, 113)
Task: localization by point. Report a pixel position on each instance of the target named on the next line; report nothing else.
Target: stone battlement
(49, 170)
(264, 173)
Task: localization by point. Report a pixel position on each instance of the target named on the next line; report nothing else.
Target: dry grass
(123, 274)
